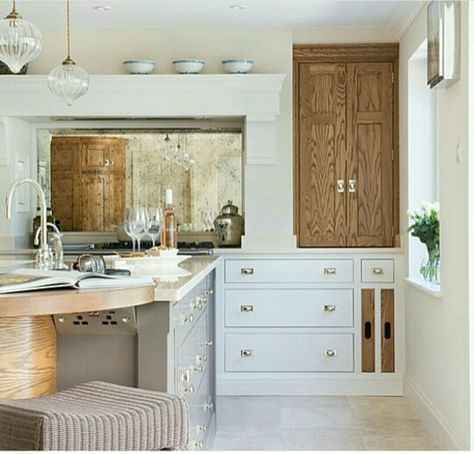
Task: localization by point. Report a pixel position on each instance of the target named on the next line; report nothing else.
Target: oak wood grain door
(322, 117)
(370, 154)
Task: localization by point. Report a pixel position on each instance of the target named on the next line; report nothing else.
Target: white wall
(437, 330)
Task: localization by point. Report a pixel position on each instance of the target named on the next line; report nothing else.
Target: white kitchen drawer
(374, 271)
(289, 308)
(289, 352)
(289, 271)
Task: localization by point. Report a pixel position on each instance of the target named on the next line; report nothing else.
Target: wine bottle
(169, 232)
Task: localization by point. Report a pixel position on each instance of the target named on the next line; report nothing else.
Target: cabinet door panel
(370, 143)
(62, 198)
(65, 154)
(93, 197)
(322, 93)
(114, 201)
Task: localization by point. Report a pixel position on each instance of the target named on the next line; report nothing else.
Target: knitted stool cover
(95, 416)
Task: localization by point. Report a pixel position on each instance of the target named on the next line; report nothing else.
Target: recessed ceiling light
(237, 6)
(102, 8)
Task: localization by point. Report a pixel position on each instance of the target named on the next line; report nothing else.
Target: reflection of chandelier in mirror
(176, 154)
(20, 41)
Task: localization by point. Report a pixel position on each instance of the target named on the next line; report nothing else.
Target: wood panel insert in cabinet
(388, 329)
(345, 145)
(368, 330)
(28, 357)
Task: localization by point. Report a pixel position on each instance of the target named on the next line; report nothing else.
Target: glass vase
(430, 266)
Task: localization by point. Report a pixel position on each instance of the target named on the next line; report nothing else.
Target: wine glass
(139, 220)
(127, 221)
(155, 221)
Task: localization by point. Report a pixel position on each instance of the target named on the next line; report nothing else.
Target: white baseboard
(431, 418)
(310, 387)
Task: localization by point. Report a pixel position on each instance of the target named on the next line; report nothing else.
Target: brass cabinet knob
(246, 353)
(198, 444)
(246, 270)
(201, 428)
(197, 369)
(209, 343)
(330, 353)
(246, 308)
(209, 407)
(329, 308)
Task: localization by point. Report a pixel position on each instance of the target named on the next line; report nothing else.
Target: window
(422, 148)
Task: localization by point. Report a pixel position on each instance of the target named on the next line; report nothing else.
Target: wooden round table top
(69, 301)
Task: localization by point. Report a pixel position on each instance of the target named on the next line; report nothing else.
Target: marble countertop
(198, 267)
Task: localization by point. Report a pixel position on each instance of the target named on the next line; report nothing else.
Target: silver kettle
(229, 226)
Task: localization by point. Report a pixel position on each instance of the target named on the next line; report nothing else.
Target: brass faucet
(43, 256)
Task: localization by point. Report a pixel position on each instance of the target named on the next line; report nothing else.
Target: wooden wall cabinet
(346, 146)
(88, 182)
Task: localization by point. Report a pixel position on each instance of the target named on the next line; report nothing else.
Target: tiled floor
(319, 423)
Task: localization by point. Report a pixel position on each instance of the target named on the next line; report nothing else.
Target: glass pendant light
(68, 80)
(20, 41)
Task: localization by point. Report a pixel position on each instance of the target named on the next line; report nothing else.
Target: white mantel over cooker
(25, 101)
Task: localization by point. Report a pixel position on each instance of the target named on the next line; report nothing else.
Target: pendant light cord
(14, 6)
(68, 26)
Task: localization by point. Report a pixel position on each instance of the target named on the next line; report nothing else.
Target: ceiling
(49, 14)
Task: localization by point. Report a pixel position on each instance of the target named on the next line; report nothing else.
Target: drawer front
(200, 411)
(190, 310)
(289, 308)
(374, 271)
(289, 352)
(193, 360)
(290, 271)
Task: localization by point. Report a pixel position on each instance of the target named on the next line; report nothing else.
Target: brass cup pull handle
(329, 271)
(246, 271)
(329, 308)
(377, 271)
(352, 185)
(329, 353)
(246, 308)
(246, 353)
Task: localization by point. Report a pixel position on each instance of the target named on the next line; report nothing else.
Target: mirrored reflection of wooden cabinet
(87, 182)
(346, 159)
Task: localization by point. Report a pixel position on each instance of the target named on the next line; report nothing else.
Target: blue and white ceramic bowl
(139, 66)
(188, 66)
(237, 66)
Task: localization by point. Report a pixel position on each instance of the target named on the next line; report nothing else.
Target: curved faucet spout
(42, 200)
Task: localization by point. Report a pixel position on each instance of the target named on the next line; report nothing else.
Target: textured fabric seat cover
(95, 416)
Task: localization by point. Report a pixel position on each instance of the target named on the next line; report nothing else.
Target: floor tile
(326, 439)
(317, 412)
(245, 443)
(378, 443)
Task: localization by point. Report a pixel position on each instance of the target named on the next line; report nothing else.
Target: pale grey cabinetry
(176, 354)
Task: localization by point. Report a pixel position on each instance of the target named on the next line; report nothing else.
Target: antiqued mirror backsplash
(90, 176)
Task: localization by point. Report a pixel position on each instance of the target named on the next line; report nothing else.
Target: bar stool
(95, 416)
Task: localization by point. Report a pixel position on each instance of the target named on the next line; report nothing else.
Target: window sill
(431, 289)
